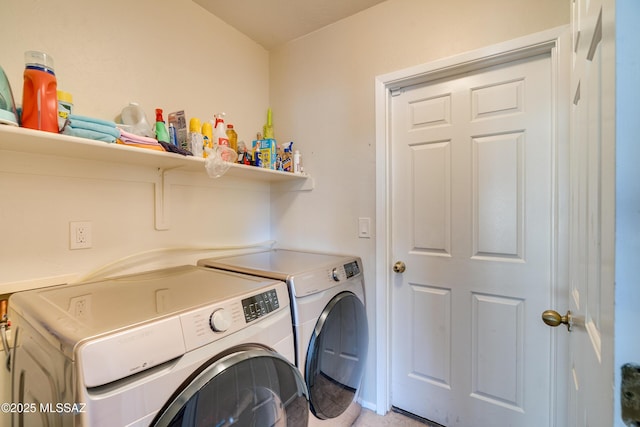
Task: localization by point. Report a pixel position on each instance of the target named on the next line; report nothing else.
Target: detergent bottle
(219, 132)
(40, 94)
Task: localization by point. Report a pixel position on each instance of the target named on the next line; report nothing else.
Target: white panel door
(592, 201)
(472, 189)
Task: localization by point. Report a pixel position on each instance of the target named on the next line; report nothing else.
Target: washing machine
(329, 322)
(183, 346)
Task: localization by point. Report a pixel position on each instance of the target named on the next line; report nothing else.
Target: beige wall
(106, 54)
(171, 55)
(322, 92)
(167, 54)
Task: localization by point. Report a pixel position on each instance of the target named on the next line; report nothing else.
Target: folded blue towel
(92, 120)
(90, 134)
(75, 123)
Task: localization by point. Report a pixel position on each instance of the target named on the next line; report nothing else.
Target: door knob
(399, 267)
(553, 318)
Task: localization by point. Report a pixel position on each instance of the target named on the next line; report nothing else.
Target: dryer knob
(220, 320)
(334, 275)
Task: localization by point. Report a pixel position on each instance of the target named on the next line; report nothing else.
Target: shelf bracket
(162, 190)
(306, 184)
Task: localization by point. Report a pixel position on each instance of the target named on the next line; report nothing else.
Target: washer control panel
(220, 319)
(259, 305)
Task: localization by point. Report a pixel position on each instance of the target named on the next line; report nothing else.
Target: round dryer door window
(336, 355)
(247, 386)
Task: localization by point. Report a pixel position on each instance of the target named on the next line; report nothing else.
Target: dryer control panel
(351, 269)
(345, 271)
(326, 277)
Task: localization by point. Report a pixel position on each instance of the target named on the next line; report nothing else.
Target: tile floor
(369, 418)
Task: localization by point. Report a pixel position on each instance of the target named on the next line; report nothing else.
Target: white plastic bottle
(196, 140)
(297, 162)
(134, 116)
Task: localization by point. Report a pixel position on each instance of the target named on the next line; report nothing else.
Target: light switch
(364, 228)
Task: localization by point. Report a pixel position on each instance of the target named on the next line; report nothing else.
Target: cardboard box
(268, 152)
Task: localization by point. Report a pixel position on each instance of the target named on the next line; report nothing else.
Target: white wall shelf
(45, 143)
(32, 141)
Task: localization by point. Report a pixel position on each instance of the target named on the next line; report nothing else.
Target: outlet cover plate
(80, 235)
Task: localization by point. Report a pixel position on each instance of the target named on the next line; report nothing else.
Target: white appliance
(181, 346)
(329, 322)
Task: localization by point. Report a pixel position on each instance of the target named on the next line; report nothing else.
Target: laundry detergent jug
(39, 95)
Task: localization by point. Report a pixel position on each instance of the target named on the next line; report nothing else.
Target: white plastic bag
(219, 159)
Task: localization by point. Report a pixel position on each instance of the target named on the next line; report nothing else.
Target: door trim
(556, 42)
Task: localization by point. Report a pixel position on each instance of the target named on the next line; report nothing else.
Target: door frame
(556, 42)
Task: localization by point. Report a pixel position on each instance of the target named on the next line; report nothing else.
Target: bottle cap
(65, 96)
(39, 59)
(194, 125)
(159, 115)
(229, 126)
(207, 129)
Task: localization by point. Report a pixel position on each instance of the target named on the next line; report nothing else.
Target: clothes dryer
(184, 346)
(329, 322)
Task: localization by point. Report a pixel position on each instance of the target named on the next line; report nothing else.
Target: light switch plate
(364, 228)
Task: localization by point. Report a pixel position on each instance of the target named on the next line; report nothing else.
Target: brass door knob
(553, 318)
(399, 267)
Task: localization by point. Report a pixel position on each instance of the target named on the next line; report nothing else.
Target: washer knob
(334, 275)
(220, 320)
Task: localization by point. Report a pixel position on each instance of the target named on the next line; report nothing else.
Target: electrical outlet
(79, 234)
(80, 306)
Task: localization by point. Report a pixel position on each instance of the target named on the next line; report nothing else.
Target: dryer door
(336, 355)
(245, 386)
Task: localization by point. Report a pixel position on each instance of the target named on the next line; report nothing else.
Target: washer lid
(70, 314)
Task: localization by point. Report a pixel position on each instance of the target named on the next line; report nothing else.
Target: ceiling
(272, 23)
